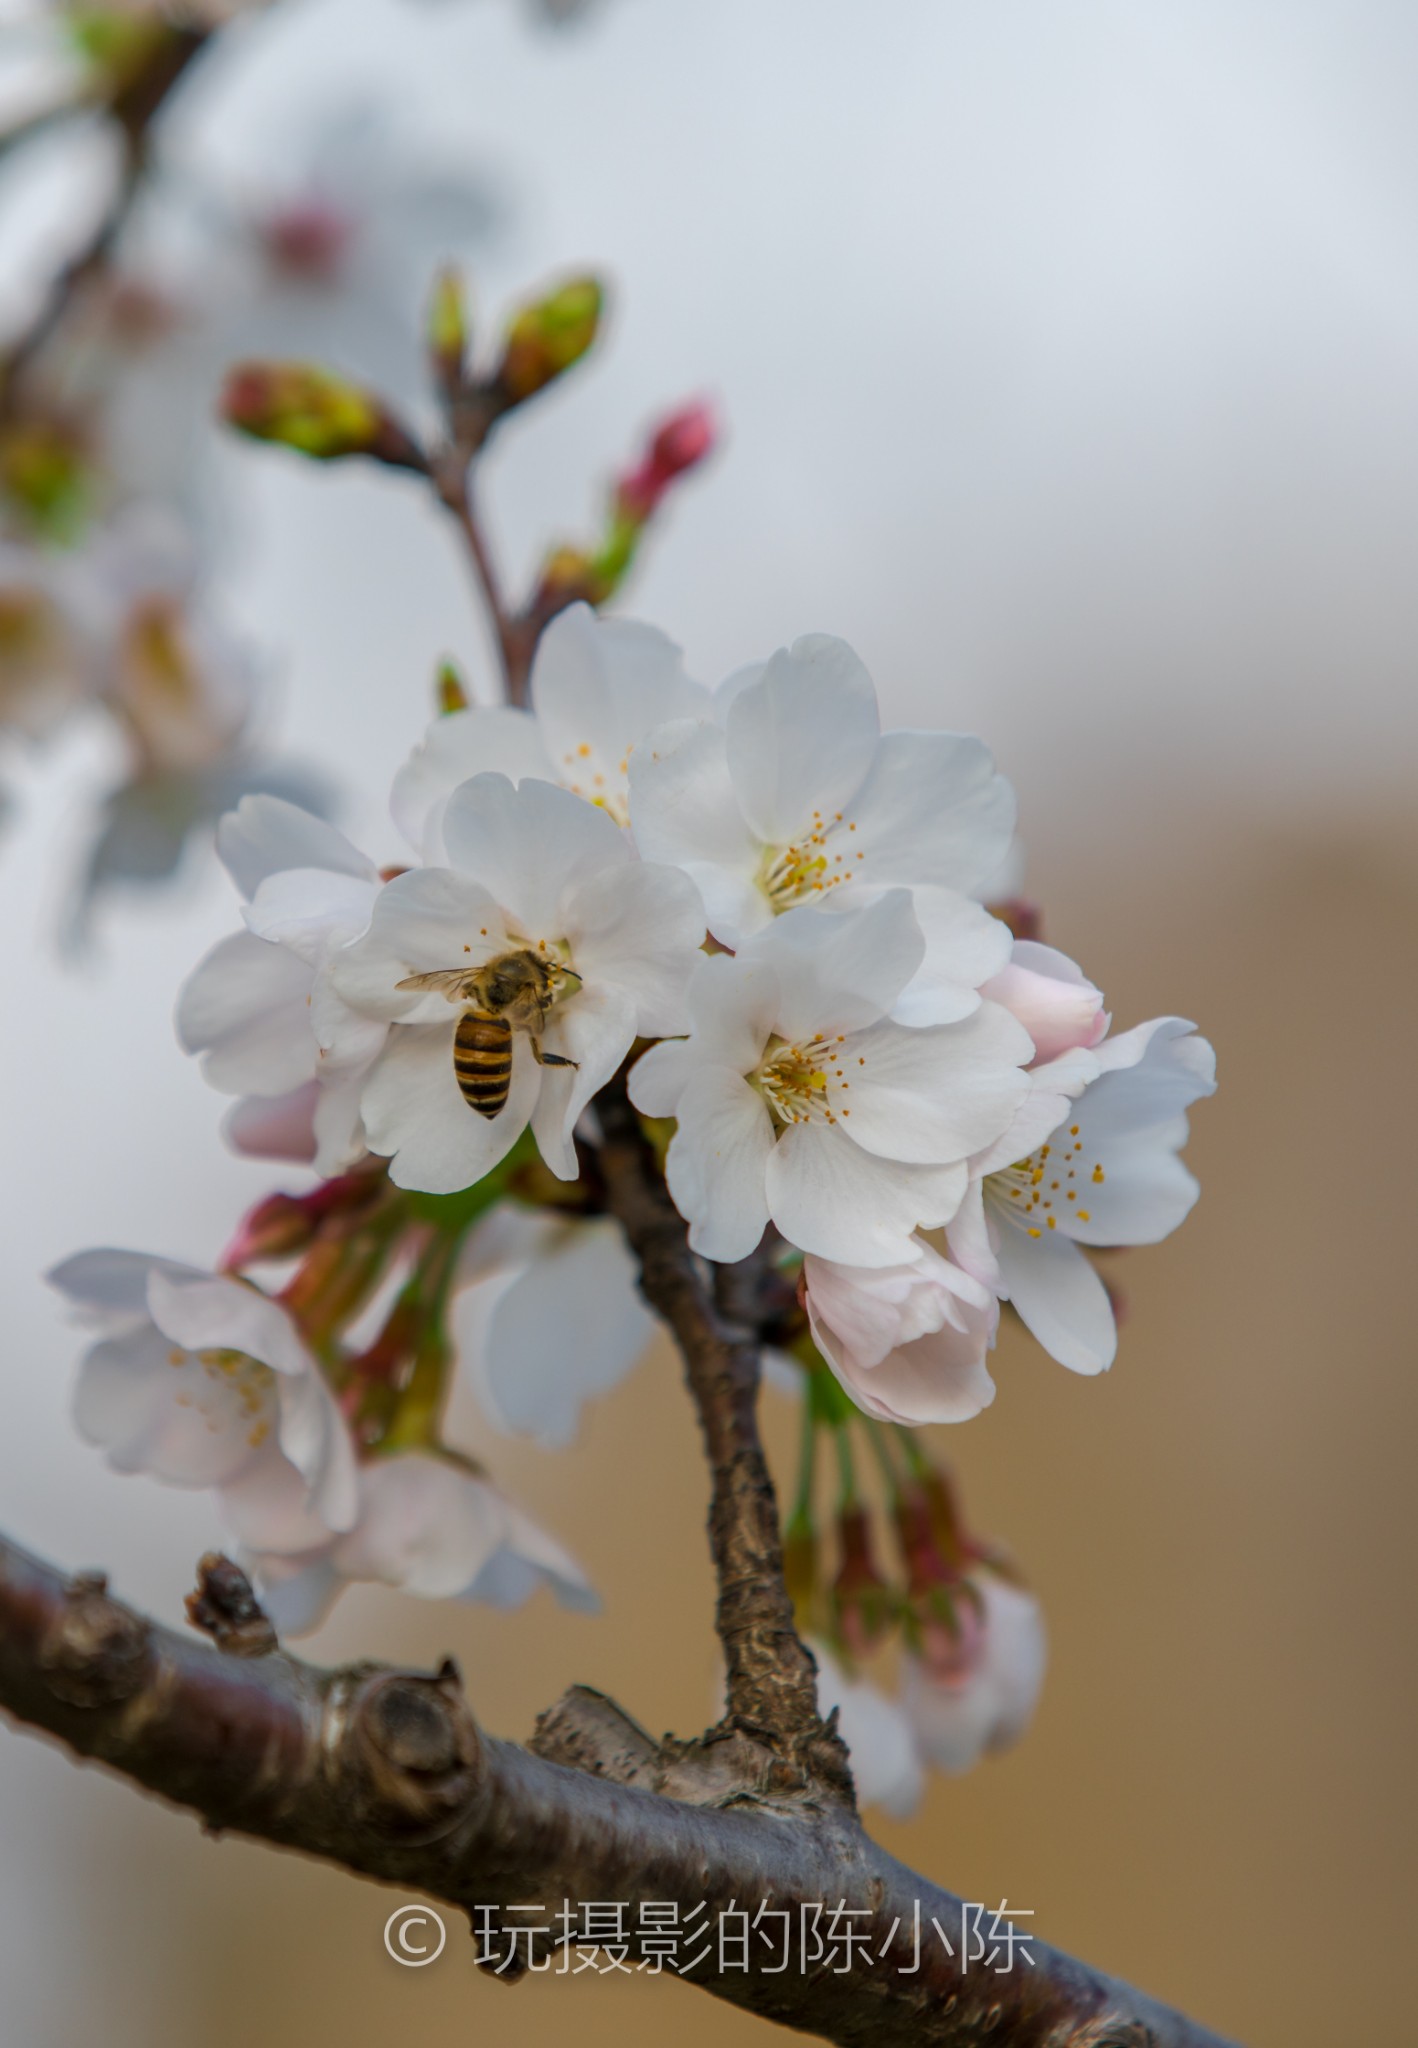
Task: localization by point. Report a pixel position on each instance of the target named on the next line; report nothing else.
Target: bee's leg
(550, 1059)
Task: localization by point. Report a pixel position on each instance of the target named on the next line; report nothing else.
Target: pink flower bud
(678, 444)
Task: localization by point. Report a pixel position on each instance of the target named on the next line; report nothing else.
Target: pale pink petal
(1047, 992)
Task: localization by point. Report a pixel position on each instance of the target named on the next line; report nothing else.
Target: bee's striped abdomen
(482, 1061)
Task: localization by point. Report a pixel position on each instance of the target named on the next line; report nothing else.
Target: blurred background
(1069, 359)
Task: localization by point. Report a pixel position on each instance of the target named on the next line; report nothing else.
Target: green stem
(846, 1466)
(877, 1438)
(800, 1520)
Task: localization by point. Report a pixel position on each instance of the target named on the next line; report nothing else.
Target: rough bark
(386, 1773)
(772, 1680)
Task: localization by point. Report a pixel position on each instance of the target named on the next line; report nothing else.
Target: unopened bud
(316, 412)
(546, 338)
(282, 1225)
(449, 689)
(447, 332)
(680, 443)
(862, 1600)
(567, 574)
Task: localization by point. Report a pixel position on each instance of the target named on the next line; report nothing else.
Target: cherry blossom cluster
(859, 1062)
(767, 915)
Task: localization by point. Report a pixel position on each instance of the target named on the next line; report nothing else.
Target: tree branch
(772, 1680)
(133, 109)
(386, 1773)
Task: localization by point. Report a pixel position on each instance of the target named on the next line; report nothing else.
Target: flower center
(238, 1389)
(1050, 1186)
(820, 859)
(798, 1081)
(583, 772)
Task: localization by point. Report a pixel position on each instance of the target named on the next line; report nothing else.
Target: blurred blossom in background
(1069, 356)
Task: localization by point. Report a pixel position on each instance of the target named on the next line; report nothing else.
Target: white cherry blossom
(260, 1008)
(430, 1524)
(881, 1744)
(977, 1694)
(792, 794)
(532, 868)
(201, 1380)
(799, 1100)
(907, 1342)
(597, 687)
(1098, 1170)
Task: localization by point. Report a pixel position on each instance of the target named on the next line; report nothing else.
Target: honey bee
(511, 993)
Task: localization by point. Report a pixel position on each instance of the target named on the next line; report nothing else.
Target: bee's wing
(448, 981)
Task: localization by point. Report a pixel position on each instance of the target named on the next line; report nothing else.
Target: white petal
(527, 845)
(1059, 1298)
(638, 929)
(1148, 1076)
(931, 1095)
(840, 971)
(267, 1508)
(339, 1125)
(885, 1766)
(245, 1007)
(526, 1559)
(661, 1075)
(683, 811)
(1053, 1089)
(1016, 1652)
(828, 1196)
(952, 1720)
(1146, 1191)
(217, 1313)
(801, 737)
(423, 923)
(567, 1329)
(414, 1113)
(964, 947)
(933, 810)
(596, 1029)
(733, 1004)
(296, 1596)
(597, 687)
(716, 1162)
(315, 1438)
(311, 912)
(265, 834)
(425, 1524)
(111, 1287)
(495, 740)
